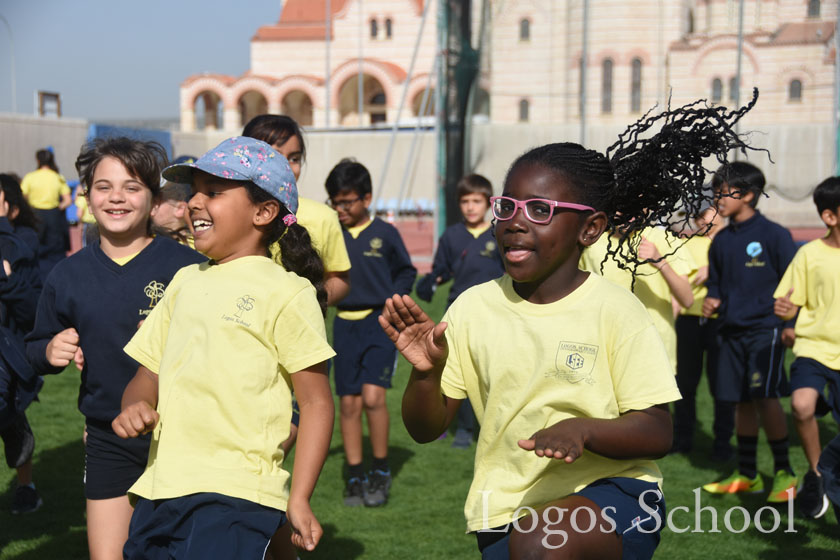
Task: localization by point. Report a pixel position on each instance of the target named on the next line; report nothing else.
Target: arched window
(374, 29)
(795, 91)
(717, 90)
(636, 85)
(388, 28)
(813, 8)
(524, 109)
(690, 22)
(524, 29)
(733, 89)
(606, 85)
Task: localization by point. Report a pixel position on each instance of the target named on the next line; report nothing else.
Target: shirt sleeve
(642, 373)
(63, 188)
(49, 321)
(452, 379)
(334, 252)
(786, 252)
(300, 334)
(403, 272)
(441, 267)
(713, 281)
(794, 277)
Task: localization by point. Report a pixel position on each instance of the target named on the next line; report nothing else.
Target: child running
(219, 357)
(746, 262)
(565, 370)
(467, 254)
(366, 358)
(89, 309)
(810, 292)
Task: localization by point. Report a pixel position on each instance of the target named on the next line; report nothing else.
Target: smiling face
(352, 209)
(120, 202)
(292, 151)
(543, 259)
(474, 208)
(225, 219)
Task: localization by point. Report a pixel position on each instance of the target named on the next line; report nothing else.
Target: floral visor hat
(244, 159)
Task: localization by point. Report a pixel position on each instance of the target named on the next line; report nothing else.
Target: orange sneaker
(736, 484)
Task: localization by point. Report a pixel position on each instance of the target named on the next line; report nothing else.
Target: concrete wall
(802, 156)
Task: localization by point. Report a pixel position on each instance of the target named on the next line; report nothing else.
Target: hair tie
(289, 219)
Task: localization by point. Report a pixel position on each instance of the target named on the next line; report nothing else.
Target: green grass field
(424, 518)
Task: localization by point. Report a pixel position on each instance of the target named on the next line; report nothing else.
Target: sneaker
(784, 487)
(354, 492)
(26, 500)
(812, 500)
(18, 441)
(377, 488)
(736, 483)
(462, 439)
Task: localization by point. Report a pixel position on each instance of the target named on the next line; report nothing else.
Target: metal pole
(327, 33)
(583, 57)
(12, 66)
(738, 61)
(360, 90)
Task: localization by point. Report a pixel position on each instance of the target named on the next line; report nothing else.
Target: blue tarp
(162, 137)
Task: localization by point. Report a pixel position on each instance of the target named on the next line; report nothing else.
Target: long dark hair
(14, 196)
(45, 158)
(275, 130)
(296, 252)
(657, 180)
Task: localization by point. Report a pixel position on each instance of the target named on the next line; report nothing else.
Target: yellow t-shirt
(225, 340)
(814, 275)
(43, 188)
(321, 222)
(85, 215)
(698, 247)
(595, 353)
(650, 287)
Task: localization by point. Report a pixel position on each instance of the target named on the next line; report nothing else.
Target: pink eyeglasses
(538, 210)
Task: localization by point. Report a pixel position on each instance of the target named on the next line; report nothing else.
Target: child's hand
(7, 268)
(306, 531)
(647, 250)
(79, 359)
(564, 440)
(413, 333)
(788, 337)
(701, 276)
(710, 305)
(135, 420)
(784, 308)
(62, 348)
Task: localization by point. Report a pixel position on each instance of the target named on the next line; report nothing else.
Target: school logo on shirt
(153, 291)
(754, 250)
(243, 304)
(375, 246)
(489, 249)
(574, 362)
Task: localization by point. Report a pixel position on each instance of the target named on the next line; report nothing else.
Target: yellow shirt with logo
(43, 188)
(595, 354)
(814, 275)
(321, 222)
(650, 287)
(225, 340)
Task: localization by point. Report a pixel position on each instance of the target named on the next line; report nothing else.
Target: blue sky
(123, 59)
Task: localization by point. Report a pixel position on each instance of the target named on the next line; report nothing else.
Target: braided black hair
(296, 251)
(647, 181)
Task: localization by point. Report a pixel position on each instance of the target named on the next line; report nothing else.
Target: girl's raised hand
(414, 333)
(306, 531)
(135, 420)
(564, 440)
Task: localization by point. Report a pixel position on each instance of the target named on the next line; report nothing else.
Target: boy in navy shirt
(468, 254)
(366, 357)
(746, 261)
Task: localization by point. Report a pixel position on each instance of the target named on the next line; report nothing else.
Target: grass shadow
(334, 545)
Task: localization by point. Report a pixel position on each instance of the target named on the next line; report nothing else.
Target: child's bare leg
(107, 527)
(773, 418)
(746, 419)
(281, 547)
(351, 427)
(24, 473)
(546, 541)
(373, 397)
(804, 404)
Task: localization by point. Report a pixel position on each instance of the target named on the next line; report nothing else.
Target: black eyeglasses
(343, 204)
(538, 210)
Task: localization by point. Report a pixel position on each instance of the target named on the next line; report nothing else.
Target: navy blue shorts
(364, 355)
(807, 372)
(752, 366)
(638, 527)
(112, 464)
(204, 525)
(295, 411)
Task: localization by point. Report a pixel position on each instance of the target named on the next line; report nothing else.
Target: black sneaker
(18, 442)
(377, 488)
(26, 500)
(354, 492)
(811, 498)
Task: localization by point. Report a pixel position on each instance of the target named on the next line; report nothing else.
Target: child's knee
(804, 403)
(350, 406)
(373, 397)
